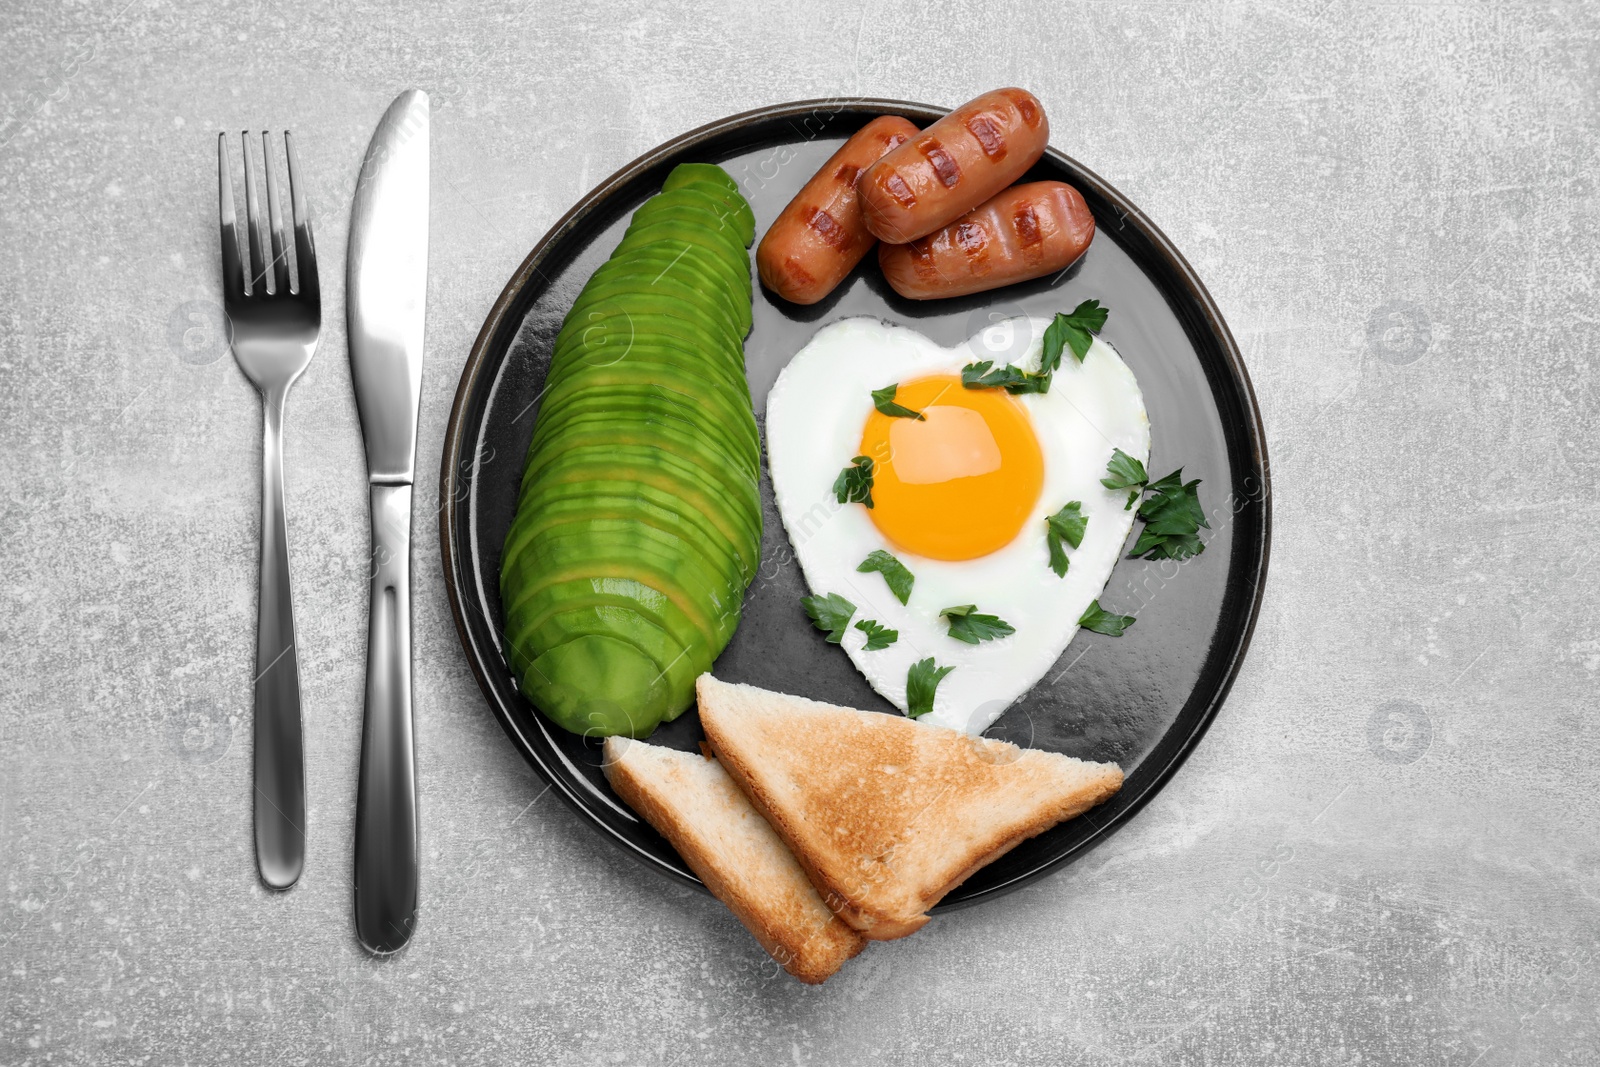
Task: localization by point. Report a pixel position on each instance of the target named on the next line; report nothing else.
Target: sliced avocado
(610, 548)
(621, 320)
(599, 386)
(728, 498)
(710, 461)
(560, 592)
(741, 224)
(637, 503)
(715, 225)
(644, 357)
(638, 423)
(675, 229)
(638, 523)
(680, 292)
(598, 686)
(713, 267)
(737, 518)
(684, 173)
(659, 264)
(713, 180)
(685, 258)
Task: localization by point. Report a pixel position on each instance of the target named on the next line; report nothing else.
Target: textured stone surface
(1384, 851)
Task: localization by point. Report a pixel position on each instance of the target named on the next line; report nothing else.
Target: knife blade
(386, 297)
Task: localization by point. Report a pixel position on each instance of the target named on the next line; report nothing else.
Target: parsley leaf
(878, 636)
(1172, 520)
(922, 681)
(1066, 525)
(830, 614)
(883, 400)
(966, 625)
(1013, 380)
(894, 572)
(1102, 621)
(1073, 331)
(854, 484)
(1125, 473)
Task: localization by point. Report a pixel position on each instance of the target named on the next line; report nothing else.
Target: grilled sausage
(1026, 232)
(819, 237)
(954, 165)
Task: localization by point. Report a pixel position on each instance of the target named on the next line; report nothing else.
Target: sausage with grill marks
(954, 165)
(1026, 232)
(820, 237)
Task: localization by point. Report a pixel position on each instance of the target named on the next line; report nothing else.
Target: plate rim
(451, 459)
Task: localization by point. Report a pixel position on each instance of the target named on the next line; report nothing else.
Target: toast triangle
(695, 805)
(886, 814)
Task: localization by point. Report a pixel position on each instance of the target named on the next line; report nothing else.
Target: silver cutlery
(386, 282)
(275, 324)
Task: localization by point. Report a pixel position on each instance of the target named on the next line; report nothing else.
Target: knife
(386, 294)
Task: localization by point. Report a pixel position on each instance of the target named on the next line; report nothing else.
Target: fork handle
(386, 798)
(280, 773)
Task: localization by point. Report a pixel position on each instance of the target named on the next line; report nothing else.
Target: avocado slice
(730, 271)
(646, 359)
(742, 224)
(685, 295)
(562, 592)
(638, 503)
(732, 277)
(621, 320)
(713, 180)
(655, 263)
(709, 463)
(671, 229)
(618, 549)
(597, 686)
(637, 423)
(730, 500)
(669, 382)
(714, 225)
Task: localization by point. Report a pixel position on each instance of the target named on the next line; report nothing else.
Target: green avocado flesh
(638, 522)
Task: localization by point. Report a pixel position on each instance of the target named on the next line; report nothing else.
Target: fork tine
(232, 269)
(258, 266)
(305, 249)
(280, 249)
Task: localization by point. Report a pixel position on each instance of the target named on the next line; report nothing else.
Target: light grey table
(1384, 851)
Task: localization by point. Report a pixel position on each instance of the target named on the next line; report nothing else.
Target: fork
(275, 326)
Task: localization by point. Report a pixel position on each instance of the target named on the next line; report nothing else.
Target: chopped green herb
(922, 681)
(1075, 331)
(894, 572)
(1173, 517)
(1013, 380)
(1125, 473)
(1066, 525)
(883, 400)
(830, 614)
(878, 636)
(1101, 621)
(969, 626)
(854, 484)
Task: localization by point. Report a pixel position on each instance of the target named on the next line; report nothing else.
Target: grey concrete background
(1385, 850)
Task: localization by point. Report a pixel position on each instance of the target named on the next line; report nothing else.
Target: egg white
(815, 415)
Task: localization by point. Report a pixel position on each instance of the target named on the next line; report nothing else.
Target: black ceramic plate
(1142, 700)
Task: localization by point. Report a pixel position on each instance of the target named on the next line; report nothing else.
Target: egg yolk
(960, 482)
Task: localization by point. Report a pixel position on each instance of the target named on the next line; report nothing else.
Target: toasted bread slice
(886, 814)
(695, 805)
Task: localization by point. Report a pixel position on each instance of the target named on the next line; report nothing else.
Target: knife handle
(279, 751)
(386, 798)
